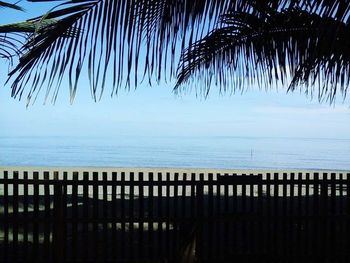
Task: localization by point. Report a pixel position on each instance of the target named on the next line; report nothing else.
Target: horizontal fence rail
(173, 215)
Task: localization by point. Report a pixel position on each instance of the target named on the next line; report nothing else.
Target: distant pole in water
(251, 153)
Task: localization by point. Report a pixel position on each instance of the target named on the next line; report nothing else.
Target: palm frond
(337, 9)
(122, 42)
(115, 37)
(26, 26)
(271, 48)
(14, 36)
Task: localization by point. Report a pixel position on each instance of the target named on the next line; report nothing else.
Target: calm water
(203, 152)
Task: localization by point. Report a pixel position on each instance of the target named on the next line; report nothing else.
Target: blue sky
(156, 111)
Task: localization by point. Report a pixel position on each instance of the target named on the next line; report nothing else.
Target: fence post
(58, 226)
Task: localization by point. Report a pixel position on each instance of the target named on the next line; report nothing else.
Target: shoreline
(167, 169)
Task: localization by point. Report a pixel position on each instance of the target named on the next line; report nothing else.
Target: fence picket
(261, 219)
(212, 243)
(160, 215)
(226, 247)
(74, 217)
(122, 216)
(307, 213)
(299, 214)
(332, 226)
(15, 215)
(86, 215)
(150, 219)
(105, 215)
(25, 215)
(291, 213)
(36, 215)
(276, 212)
(95, 215)
(114, 217)
(131, 232)
(167, 217)
(47, 219)
(235, 242)
(200, 215)
(141, 216)
(244, 212)
(284, 219)
(315, 213)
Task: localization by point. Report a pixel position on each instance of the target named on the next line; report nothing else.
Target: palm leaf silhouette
(270, 48)
(122, 42)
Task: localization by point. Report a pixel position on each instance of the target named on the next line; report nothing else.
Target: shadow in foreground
(182, 229)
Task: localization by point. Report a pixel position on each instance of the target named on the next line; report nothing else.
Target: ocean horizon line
(173, 169)
(110, 136)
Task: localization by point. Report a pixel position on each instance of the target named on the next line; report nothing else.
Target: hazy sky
(157, 111)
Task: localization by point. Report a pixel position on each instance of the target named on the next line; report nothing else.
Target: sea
(228, 152)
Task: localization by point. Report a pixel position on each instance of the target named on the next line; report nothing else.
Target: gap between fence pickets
(172, 171)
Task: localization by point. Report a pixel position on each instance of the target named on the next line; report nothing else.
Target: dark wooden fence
(61, 216)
